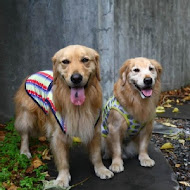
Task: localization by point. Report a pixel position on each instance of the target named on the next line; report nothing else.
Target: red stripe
(52, 105)
(39, 96)
(36, 94)
(37, 83)
(45, 74)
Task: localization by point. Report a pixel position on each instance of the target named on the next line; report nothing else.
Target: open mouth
(77, 95)
(144, 92)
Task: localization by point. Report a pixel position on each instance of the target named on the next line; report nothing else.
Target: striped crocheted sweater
(39, 88)
(133, 126)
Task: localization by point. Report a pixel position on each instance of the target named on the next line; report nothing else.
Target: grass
(13, 165)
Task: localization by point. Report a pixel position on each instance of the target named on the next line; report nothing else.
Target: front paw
(27, 153)
(147, 162)
(117, 166)
(63, 179)
(103, 173)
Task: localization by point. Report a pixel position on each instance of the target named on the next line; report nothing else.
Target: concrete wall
(31, 31)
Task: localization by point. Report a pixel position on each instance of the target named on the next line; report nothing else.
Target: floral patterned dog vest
(133, 126)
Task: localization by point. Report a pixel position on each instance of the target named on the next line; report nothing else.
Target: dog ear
(55, 74)
(157, 66)
(123, 71)
(97, 62)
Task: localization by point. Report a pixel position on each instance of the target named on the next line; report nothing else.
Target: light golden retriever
(128, 130)
(77, 97)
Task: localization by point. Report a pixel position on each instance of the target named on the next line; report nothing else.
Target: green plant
(13, 165)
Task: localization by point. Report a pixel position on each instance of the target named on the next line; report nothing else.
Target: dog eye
(84, 60)
(151, 68)
(65, 61)
(136, 70)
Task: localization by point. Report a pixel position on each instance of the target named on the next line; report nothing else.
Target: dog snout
(76, 78)
(148, 81)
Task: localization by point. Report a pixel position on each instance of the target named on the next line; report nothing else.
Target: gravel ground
(179, 156)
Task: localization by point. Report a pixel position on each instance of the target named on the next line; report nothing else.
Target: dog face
(76, 65)
(142, 74)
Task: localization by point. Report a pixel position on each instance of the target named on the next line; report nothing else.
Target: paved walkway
(135, 177)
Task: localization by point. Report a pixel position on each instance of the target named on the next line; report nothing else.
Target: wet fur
(80, 120)
(143, 110)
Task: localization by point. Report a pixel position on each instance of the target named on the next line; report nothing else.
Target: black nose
(76, 78)
(148, 81)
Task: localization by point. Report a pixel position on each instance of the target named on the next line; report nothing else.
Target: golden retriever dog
(128, 116)
(62, 104)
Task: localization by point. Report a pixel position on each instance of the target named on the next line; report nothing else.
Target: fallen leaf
(2, 135)
(177, 165)
(46, 174)
(77, 140)
(187, 184)
(169, 101)
(36, 162)
(167, 146)
(169, 124)
(187, 98)
(160, 109)
(6, 185)
(175, 110)
(42, 139)
(45, 155)
(182, 141)
(167, 105)
(30, 169)
(13, 187)
(177, 101)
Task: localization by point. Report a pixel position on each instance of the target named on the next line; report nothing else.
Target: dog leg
(60, 151)
(144, 138)
(23, 124)
(24, 148)
(95, 155)
(115, 145)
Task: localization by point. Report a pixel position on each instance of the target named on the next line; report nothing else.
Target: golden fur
(80, 120)
(143, 110)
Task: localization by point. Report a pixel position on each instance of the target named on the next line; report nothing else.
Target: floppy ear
(158, 67)
(55, 74)
(97, 63)
(123, 71)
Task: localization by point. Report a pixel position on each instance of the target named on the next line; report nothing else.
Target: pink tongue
(147, 92)
(77, 96)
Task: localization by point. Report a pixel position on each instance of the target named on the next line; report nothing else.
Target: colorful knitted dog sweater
(133, 126)
(39, 88)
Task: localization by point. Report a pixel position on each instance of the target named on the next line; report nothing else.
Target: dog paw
(28, 154)
(104, 173)
(117, 167)
(63, 179)
(147, 162)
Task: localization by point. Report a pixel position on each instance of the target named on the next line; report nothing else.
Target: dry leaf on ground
(160, 109)
(175, 110)
(169, 124)
(167, 146)
(36, 162)
(187, 184)
(42, 139)
(45, 155)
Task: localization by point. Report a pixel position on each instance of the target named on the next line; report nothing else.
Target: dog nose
(148, 80)
(76, 78)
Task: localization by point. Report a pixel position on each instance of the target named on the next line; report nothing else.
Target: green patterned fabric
(133, 126)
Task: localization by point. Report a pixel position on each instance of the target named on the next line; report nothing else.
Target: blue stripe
(36, 86)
